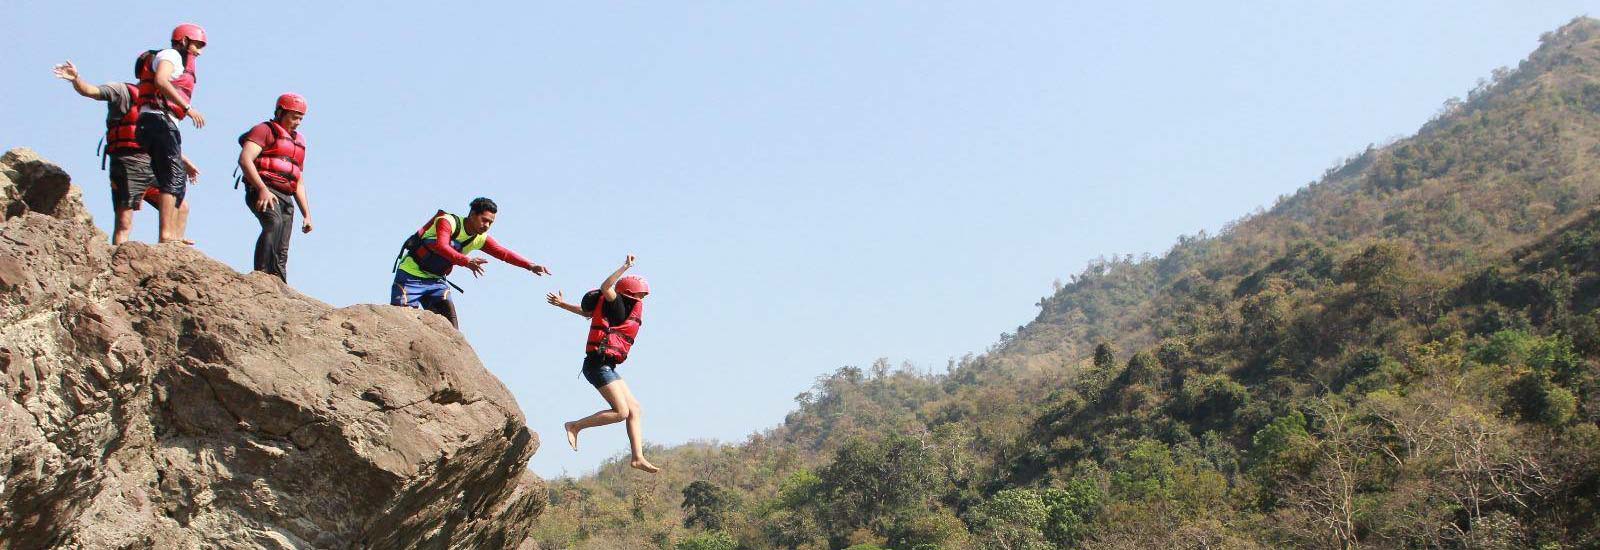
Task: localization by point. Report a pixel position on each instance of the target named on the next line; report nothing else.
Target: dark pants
(159, 137)
(277, 225)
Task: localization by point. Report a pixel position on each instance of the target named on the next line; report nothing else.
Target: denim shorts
(599, 372)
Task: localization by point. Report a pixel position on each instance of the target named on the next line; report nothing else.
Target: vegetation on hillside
(1404, 354)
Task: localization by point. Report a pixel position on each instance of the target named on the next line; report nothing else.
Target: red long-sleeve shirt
(440, 244)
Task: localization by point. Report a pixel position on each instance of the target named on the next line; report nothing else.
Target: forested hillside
(1403, 354)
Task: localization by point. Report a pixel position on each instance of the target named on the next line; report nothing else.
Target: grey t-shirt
(118, 102)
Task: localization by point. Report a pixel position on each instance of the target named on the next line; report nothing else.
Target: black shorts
(598, 371)
(130, 178)
(159, 137)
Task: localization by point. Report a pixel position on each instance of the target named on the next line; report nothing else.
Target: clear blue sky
(807, 185)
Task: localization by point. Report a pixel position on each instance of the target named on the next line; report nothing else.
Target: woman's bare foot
(572, 435)
(645, 465)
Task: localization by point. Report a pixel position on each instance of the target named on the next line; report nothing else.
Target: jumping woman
(614, 311)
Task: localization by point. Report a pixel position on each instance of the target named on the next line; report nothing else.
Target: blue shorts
(598, 371)
(414, 291)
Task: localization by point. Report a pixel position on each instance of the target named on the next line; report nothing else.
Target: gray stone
(151, 397)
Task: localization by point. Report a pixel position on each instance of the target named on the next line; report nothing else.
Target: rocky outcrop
(151, 397)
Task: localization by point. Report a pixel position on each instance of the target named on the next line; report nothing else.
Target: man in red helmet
(271, 157)
(166, 84)
(615, 311)
(132, 182)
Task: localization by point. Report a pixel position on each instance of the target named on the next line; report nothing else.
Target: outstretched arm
(499, 252)
(555, 300)
(68, 72)
(608, 288)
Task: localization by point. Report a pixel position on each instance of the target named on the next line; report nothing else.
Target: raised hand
(65, 71)
(629, 262)
(554, 298)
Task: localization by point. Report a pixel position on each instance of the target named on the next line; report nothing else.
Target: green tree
(1070, 511)
(1105, 356)
(1014, 519)
(705, 504)
(1537, 399)
(714, 540)
(1145, 472)
(867, 484)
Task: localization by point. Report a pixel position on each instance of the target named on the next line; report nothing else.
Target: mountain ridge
(1253, 354)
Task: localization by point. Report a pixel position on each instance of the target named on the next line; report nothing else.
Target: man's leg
(160, 138)
(427, 294)
(441, 304)
(167, 208)
(124, 225)
(183, 223)
(130, 178)
(270, 245)
(285, 229)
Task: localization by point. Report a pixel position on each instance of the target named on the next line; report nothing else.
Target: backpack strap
(414, 241)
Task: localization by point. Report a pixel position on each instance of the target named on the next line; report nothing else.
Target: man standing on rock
(166, 84)
(272, 155)
(132, 182)
(443, 243)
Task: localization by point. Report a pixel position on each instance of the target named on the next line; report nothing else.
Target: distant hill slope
(1514, 160)
(1402, 354)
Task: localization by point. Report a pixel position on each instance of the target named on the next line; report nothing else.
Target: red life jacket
(151, 96)
(281, 157)
(612, 341)
(120, 138)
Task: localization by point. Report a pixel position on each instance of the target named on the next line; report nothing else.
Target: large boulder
(151, 397)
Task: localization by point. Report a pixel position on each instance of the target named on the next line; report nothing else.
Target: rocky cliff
(151, 397)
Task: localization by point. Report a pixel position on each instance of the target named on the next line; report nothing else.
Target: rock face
(151, 397)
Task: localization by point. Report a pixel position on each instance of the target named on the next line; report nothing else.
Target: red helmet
(292, 102)
(633, 286)
(190, 31)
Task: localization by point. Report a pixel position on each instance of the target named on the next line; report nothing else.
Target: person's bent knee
(624, 410)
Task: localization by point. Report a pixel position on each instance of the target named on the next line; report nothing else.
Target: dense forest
(1402, 354)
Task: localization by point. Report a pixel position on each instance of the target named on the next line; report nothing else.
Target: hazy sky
(807, 185)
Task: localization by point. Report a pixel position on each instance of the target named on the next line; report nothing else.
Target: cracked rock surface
(151, 397)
